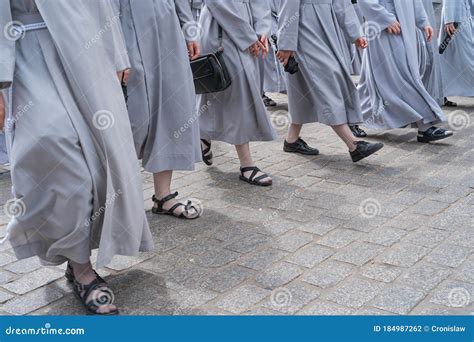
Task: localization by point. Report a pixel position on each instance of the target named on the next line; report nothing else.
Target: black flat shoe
(301, 147)
(358, 132)
(434, 134)
(268, 101)
(448, 103)
(365, 149)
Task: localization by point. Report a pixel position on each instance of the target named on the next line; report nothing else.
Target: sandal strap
(162, 201)
(208, 146)
(258, 179)
(255, 170)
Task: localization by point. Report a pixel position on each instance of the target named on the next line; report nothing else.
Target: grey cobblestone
(305, 236)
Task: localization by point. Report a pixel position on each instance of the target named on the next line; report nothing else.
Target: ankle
(292, 140)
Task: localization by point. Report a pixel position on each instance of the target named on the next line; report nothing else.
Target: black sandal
(172, 212)
(252, 180)
(70, 277)
(207, 156)
(448, 103)
(106, 297)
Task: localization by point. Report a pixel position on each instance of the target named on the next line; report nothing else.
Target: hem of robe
(216, 136)
(327, 123)
(400, 124)
(184, 163)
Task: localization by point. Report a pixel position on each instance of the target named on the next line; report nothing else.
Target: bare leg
(162, 182)
(246, 160)
(84, 274)
(294, 132)
(345, 133)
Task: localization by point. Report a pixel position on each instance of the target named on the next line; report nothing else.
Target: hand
(395, 28)
(194, 50)
(429, 33)
(2, 112)
(450, 29)
(264, 40)
(361, 43)
(284, 56)
(123, 76)
(256, 47)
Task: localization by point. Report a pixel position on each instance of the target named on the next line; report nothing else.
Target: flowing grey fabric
(391, 90)
(236, 115)
(457, 63)
(76, 184)
(323, 90)
(161, 95)
(431, 70)
(3, 148)
(196, 8)
(274, 79)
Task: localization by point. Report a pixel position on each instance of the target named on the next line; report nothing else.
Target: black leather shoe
(301, 147)
(434, 134)
(365, 149)
(268, 101)
(358, 132)
(448, 103)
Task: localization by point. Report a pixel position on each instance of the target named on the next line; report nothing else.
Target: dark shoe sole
(290, 150)
(379, 147)
(243, 179)
(426, 140)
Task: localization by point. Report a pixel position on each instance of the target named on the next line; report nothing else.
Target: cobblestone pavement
(391, 235)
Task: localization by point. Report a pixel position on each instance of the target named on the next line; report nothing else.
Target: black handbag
(210, 72)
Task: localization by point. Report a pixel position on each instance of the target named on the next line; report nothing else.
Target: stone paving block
(262, 259)
(402, 254)
(355, 292)
(33, 280)
(399, 299)
(466, 271)
(6, 258)
(371, 312)
(249, 243)
(4, 296)
(278, 275)
(202, 246)
(384, 273)
(321, 226)
(384, 236)
(277, 226)
(463, 237)
(291, 298)
(216, 258)
(449, 255)
(6, 276)
(425, 276)
(163, 263)
(242, 299)
(188, 274)
(293, 240)
(328, 274)
(323, 308)
(24, 266)
(190, 298)
(454, 294)
(359, 253)
(428, 207)
(120, 263)
(427, 237)
(339, 238)
(226, 278)
(310, 255)
(32, 301)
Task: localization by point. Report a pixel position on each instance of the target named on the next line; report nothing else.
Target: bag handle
(221, 39)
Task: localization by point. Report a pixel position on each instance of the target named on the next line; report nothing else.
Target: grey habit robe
(457, 62)
(236, 115)
(161, 94)
(392, 92)
(76, 183)
(323, 90)
(274, 79)
(196, 7)
(430, 67)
